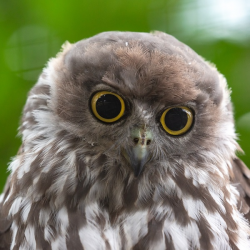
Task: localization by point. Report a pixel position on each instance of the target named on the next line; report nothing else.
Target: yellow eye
(177, 120)
(107, 106)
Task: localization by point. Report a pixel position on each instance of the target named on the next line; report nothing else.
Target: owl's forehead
(144, 66)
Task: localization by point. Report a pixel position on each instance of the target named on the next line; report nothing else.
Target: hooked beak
(138, 154)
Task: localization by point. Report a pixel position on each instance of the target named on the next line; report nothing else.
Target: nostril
(136, 140)
(148, 142)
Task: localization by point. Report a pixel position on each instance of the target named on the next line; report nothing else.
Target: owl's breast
(153, 228)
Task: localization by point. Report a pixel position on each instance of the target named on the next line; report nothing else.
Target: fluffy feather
(71, 188)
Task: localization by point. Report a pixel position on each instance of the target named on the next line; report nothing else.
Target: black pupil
(176, 119)
(108, 106)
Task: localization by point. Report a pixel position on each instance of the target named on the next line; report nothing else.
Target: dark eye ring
(177, 120)
(107, 106)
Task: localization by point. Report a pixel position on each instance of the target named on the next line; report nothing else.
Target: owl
(128, 142)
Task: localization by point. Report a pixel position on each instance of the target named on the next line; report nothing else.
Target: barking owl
(128, 142)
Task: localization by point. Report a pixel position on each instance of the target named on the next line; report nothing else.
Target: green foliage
(32, 32)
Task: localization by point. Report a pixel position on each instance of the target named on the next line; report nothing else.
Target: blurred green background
(32, 31)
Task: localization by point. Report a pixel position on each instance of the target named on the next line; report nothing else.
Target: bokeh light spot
(243, 122)
(28, 50)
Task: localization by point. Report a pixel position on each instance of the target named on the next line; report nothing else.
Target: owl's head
(141, 99)
(125, 107)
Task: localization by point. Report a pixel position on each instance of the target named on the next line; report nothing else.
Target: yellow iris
(183, 128)
(107, 106)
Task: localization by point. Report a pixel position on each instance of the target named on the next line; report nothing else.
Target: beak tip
(136, 173)
(137, 160)
(138, 169)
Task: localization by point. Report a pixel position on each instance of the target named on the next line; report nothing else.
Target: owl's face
(146, 106)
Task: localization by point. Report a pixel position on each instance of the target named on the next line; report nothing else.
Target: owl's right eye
(107, 106)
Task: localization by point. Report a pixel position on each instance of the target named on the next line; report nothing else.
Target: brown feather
(5, 224)
(241, 179)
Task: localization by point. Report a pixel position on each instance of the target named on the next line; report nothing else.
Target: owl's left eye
(177, 120)
(107, 106)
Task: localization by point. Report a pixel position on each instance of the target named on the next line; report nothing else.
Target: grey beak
(138, 154)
